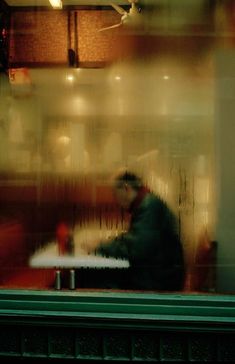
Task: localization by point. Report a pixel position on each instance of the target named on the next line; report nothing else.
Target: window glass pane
(78, 103)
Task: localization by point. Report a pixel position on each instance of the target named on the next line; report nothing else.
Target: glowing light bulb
(70, 78)
(56, 4)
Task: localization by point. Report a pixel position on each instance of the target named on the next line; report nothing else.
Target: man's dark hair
(128, 178)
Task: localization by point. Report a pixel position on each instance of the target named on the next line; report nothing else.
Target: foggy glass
(162, 109)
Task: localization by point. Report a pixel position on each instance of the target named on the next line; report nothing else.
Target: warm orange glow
(56, 4)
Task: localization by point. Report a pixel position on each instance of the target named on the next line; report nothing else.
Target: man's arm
(140, 240)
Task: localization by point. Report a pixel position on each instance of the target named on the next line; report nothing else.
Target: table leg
(72, 279)
(58, 279)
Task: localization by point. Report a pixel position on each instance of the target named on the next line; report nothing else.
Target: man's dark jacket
(151, 245)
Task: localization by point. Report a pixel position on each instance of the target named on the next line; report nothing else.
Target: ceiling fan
(132, 17)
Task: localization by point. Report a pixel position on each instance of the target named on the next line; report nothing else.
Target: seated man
(151, 243)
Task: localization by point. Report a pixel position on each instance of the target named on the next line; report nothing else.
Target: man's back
(156, 255)
(152, 246)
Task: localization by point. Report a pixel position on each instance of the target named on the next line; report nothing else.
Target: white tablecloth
(49, 257)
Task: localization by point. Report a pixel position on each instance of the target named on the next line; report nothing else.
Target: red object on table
(63, 238)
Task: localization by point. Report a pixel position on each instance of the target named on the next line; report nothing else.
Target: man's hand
(87, 241)
(90, 246)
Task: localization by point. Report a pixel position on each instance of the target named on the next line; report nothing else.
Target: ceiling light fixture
(70, 78)
(56, 4)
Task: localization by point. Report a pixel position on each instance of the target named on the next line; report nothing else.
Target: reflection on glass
(156, 109)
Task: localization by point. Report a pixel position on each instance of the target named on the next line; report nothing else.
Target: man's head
(126, 187)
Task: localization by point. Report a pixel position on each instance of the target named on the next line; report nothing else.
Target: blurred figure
(151, 244)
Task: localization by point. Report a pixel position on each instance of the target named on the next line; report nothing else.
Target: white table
(48, 257)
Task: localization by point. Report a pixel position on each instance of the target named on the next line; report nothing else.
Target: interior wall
(44, 37)
(224, 132)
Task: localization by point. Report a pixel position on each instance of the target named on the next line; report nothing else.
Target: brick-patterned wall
(94, 46)
(41, 37)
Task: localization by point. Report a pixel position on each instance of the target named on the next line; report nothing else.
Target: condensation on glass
(162, 108)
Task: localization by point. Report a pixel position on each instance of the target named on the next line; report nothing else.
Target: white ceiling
(170, 14)
(65, 2)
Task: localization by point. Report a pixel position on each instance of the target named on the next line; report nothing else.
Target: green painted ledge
(205, 311)
(115, 326)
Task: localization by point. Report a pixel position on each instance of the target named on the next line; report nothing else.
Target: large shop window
(157, 101)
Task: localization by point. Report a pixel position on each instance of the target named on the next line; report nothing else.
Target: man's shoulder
(156, 204)
(152, 200)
